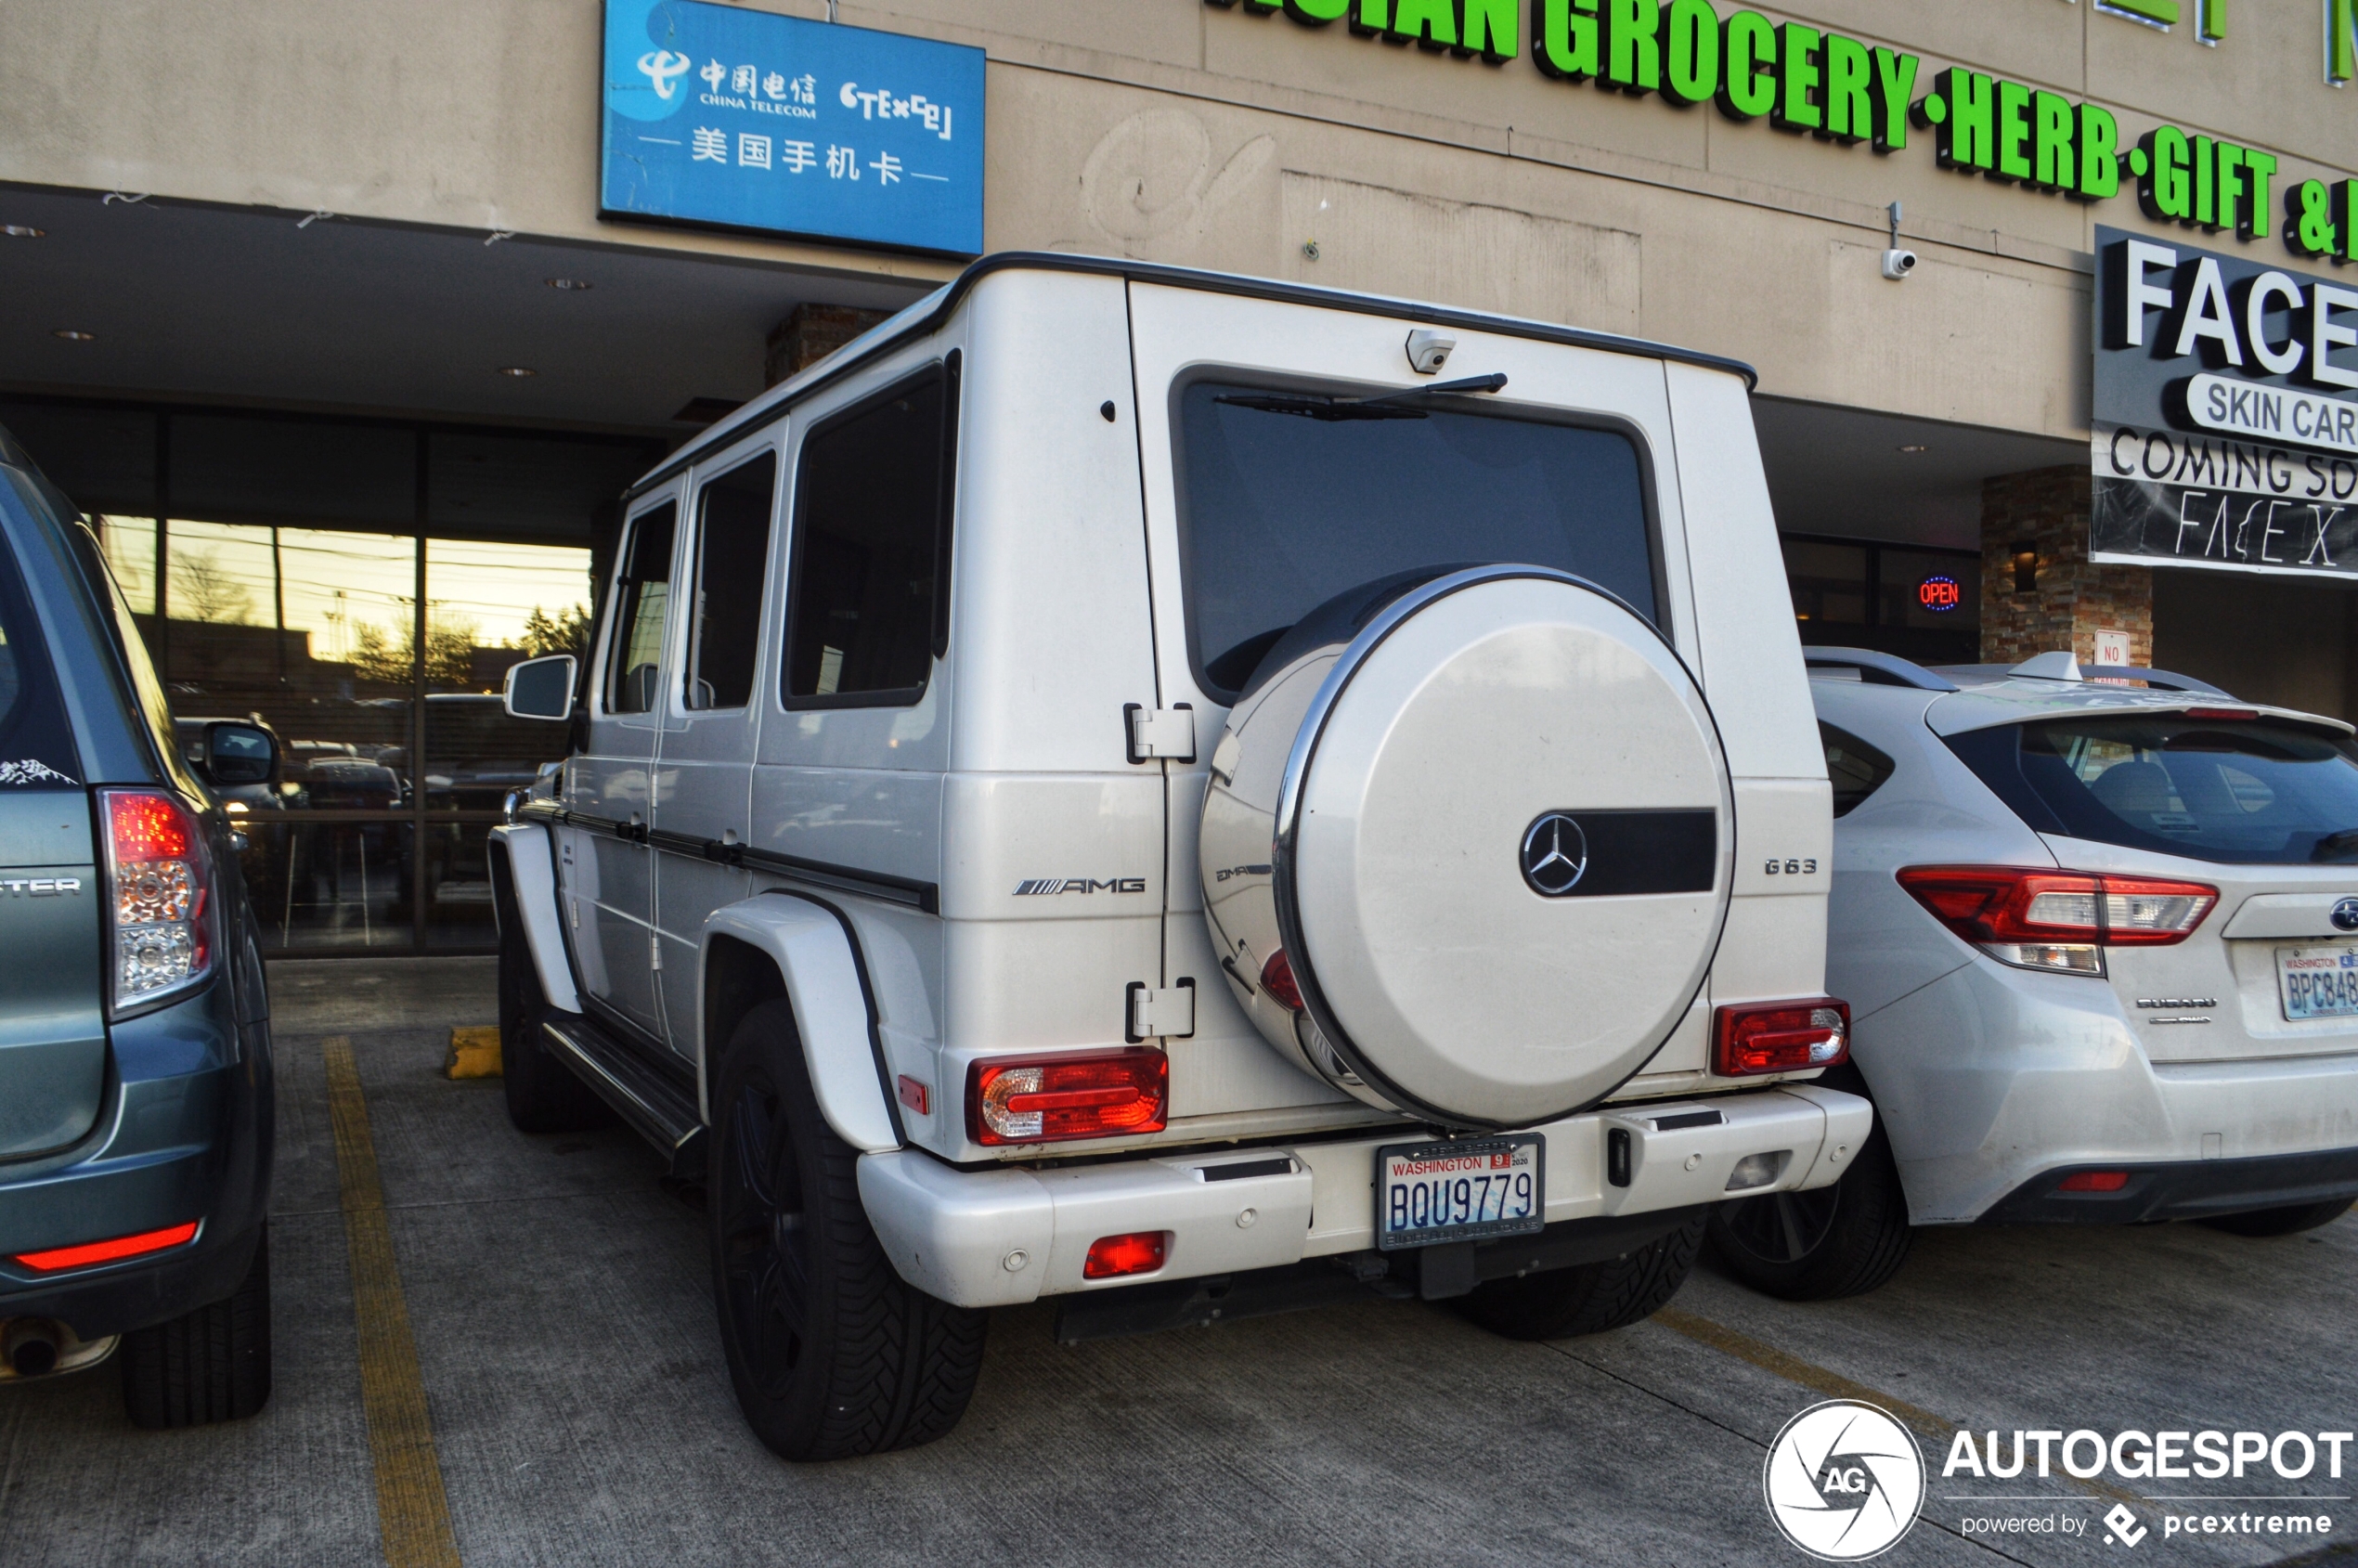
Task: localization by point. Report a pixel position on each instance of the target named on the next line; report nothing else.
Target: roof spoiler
(2062, 664)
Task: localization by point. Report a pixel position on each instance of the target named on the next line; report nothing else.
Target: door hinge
(1160, 733)
(1169, 1013)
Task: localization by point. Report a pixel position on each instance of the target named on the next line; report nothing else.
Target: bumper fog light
(1111, 1257)
(1758, 1170)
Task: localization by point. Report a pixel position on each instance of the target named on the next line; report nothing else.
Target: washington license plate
(1466, 1191)
(2318, 982)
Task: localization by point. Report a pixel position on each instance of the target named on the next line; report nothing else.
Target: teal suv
(134, 1038)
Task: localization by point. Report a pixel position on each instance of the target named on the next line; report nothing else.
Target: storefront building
(349, 321)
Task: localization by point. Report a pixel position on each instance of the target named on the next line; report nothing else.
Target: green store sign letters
(1805, 79)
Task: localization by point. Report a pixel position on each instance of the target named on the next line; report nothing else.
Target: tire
(1591, 1298)
(210, 1365)
(1841, 1240)
(543, 1095)
(832, 1354)
(2283, 1221)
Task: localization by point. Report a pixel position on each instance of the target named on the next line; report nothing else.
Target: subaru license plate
(2319, 983)
(1466, 1191)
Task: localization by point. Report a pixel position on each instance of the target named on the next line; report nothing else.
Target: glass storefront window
(1922, 604)
(1829, 582)
(360, 587)
(488, 605)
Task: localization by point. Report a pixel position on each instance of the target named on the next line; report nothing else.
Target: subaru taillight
(159, 894)
(2057, 920)
(1072, 1094)
(1781, 1037)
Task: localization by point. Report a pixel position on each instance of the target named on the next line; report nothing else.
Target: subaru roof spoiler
(2060, 665)
(1877, 669)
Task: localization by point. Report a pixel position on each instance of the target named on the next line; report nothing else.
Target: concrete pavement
(560, 1307)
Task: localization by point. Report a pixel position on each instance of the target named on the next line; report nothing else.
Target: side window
(870, 607)
(1857, 769)
(634, 659)
(732, 558)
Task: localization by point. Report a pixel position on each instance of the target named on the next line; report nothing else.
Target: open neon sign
(1939, 594)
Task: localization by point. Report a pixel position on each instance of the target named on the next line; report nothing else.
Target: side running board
(655, 1106)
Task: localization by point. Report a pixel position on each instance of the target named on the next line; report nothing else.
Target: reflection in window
(130, 546)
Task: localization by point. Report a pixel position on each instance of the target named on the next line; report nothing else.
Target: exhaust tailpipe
(31, 1346)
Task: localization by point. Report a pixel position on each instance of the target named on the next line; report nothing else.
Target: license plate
(2319, 983)
(1466, 1191)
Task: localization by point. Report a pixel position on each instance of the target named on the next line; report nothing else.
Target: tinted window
(36, 750)
(641, 596)
(1857, 769)
(2253, 792)
(732, 558)
(872, 500)
(1287, 501)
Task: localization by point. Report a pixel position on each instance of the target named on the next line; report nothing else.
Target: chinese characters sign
(753, 120)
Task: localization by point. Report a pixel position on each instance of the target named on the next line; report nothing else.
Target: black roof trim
(728, 431)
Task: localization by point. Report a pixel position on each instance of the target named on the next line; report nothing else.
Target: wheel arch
(803, 950)
(523, 887)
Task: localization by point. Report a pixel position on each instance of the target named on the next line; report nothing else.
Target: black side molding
(923, 897)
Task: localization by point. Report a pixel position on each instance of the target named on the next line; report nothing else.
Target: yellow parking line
(1833, 1385)
(414, 1515)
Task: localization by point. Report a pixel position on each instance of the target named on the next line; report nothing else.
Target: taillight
(1781, 1037)
(1276, 979)
(2057, 919)
(1072, 1095)
(2093, 1181)
(2224, 715)
(1113, 1256)
(91, 1254)
(159, 889)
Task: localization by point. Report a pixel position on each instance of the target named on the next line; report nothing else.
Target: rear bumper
(998, 1236)
(2185, 1190)
(187, 1136)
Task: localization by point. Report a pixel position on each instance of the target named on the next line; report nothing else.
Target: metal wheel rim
(1782, 1227)
(765, 1260)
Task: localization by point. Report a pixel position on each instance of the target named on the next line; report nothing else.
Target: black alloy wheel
(831, 1352)
(761, 1244)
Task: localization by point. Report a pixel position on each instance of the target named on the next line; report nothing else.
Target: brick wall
(2074, 599)
(812, 333)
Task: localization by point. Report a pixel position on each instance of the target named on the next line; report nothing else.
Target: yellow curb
(474, 1053)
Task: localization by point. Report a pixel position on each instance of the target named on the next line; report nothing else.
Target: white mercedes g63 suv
(1125, 785)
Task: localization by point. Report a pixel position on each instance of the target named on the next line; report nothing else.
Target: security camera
(1429, 351)
(1897, 265)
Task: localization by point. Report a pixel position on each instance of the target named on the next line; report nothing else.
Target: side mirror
(239, 754)
(540, 688)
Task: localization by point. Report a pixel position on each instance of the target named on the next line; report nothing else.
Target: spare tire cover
(1492, 835)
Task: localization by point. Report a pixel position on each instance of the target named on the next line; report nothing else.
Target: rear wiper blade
(2335, 846)
(1390, 406)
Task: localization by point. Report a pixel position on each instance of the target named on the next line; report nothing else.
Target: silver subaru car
(2098, 933)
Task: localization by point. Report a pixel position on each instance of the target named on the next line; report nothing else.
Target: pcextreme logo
(1844, 1481)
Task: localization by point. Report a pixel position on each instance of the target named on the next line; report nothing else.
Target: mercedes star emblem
(1555, 854)
(2345, 915)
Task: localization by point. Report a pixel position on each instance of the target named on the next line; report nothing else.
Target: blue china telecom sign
(748, 119)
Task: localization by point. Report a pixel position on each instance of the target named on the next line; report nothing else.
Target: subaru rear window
(35, 748)
(2241, 791)
(1290, 499)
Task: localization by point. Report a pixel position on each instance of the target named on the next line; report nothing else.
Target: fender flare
(532, 885)
(818, 956)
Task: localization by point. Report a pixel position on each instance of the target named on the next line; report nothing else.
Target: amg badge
(1044, 884)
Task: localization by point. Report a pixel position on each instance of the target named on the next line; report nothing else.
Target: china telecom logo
(1844, 1481)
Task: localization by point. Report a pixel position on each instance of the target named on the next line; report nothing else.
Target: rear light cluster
(1781, 1037)
(1073, 1095)
(2093, 1181)
(2057, 920)
(158, 884)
